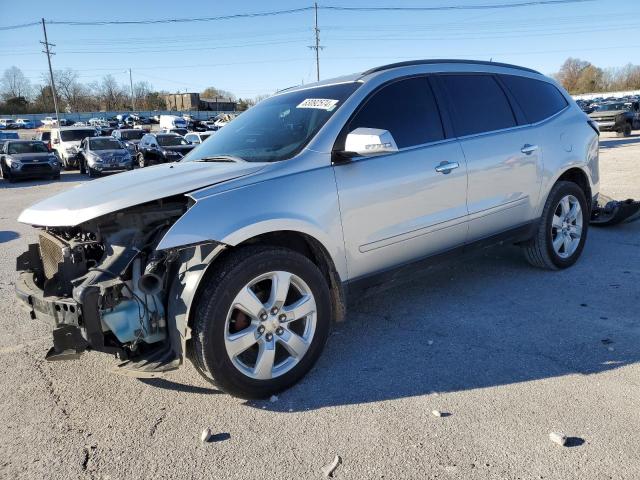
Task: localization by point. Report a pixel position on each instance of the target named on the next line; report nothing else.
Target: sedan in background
(196, 138)
(162, 148)
(28, 159)
(103, 154)
(130, 137)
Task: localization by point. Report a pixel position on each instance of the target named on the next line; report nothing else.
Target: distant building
(183, 102)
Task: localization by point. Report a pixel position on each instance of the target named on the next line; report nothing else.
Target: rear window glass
(171, 140)
(131, 134)
(407, 109)
(537, 99)
(478, 103)
(76, 135)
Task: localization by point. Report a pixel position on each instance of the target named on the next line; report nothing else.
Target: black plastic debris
(610, 212)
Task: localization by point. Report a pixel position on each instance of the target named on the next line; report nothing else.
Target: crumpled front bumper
(75, 325)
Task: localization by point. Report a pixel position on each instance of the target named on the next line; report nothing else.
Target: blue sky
(260, 55)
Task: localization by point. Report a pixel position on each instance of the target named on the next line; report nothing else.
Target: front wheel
(261, 321)
(562, 230)
(141, 161)
(625, 131)
(83, 167)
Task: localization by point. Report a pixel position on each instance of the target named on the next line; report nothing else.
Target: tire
(82, 166)
(214, 322)
(92, 173)
(540, 251)
(625, 131)
(141, 161)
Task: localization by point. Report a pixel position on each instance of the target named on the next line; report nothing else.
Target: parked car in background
(620, 117)
(49, 122)
(100, 155)
(9, 135)
(28, 159)
(44, 136)
(161, 148)
(130, 137)
(172, 121)
(178, 131)
(23, 123)
(6, 123)
(196, 138)
(66, 141)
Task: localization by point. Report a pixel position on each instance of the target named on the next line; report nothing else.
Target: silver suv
(241, 255)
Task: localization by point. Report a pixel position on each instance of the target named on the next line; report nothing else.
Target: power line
(494, 6)
(487, 6)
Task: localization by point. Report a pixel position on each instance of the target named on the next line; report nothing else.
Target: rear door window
(478, 103)
(537, 99)
(407, 109)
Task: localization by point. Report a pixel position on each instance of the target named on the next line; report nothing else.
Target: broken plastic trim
(609, 212)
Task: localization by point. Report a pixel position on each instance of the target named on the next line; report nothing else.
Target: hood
(607, 113)
(179, 148)
(110, 194)
(110, 153)
(33, 157)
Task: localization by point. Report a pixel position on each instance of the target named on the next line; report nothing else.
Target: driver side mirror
(369, 141)
(56, 141)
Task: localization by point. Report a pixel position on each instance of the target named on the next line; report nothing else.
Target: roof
(437, 61)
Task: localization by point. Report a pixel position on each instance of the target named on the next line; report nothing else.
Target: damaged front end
(608, 212)
(104, 286)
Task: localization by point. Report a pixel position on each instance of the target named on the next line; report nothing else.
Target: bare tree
(213, 92)
(14, 84)
(111, 95)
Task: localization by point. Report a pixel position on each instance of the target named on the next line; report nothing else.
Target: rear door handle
(446, 167)
(528, 149)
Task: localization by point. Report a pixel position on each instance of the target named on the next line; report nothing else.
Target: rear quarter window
(537, 99)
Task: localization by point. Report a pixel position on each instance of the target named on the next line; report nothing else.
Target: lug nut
(263, 316)
(279, 330)
(274, 310)
(282, 317)
(261, 329)
(269, 337)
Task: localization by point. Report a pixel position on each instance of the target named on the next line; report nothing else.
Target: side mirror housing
(369, 141)
(56, 141)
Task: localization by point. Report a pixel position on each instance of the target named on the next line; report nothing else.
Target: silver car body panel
(110, 194)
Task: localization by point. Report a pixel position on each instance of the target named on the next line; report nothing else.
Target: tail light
(593, 124)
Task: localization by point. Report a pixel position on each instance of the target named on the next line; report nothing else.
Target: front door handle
(446, 167)
(528, 149)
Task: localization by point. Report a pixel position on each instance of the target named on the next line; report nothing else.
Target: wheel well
(312, 249)
(580, 178)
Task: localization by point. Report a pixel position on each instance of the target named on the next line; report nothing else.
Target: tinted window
(407, 109)
(171, 140)
(538, 100)
(478, 104)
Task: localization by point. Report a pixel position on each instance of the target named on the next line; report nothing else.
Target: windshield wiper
(221, 158)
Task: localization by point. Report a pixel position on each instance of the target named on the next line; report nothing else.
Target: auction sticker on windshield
(320, 103)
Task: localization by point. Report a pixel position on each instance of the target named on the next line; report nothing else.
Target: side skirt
(385, 279)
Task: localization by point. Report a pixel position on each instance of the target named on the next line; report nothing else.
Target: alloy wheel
(270, 325)
(566, 226)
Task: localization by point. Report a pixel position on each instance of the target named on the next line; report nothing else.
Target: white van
(172, 121)
(66, 141)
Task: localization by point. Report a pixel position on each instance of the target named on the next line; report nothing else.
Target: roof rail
(434, 61)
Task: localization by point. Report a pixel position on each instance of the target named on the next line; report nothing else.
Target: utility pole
(133, 101)
(317, 47)
(53, 86)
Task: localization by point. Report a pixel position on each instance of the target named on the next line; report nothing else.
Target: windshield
(278, 127)
(132, 134)
(16, 148)
(105, 144)
(609, 107)
(171, 140)
(76, 135)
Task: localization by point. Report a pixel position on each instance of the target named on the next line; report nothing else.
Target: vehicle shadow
(166, 384)
(8, 235)
(483, 322)
(609, 143)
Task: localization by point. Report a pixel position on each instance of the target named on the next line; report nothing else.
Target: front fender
(304, 202)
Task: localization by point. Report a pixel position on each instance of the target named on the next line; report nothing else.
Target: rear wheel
(625, 131)
(83, 166)
(141, 161)
(261, 321)
(562, 230)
